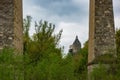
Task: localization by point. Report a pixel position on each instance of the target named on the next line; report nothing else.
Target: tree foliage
(118, 42)
(43, 60)
(43, 42)
(26, 28)
(11, 66)
(45, 57)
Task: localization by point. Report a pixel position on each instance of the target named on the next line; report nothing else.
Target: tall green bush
(11, 65)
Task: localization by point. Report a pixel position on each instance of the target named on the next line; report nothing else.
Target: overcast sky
(70, 15)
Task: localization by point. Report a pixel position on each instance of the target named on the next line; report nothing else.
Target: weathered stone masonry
(11, 24)
(101, 29)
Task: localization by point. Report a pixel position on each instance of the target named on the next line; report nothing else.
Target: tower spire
(75, 47)
(76, 36)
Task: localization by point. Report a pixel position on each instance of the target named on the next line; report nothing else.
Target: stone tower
(101, 30)
(11, 24)
(75, 47)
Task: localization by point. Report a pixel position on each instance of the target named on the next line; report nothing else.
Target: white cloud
(70, 30)
(72, 25)
(80, 2)
(117, 22)
(117, 13)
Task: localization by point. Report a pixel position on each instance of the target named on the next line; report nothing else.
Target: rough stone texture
(101, 29)
(11, 24)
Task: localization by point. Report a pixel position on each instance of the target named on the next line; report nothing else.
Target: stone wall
(101, 29)
(18, 25)
(11, 24)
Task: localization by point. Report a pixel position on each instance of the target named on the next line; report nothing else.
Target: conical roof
(75, 47)
(77, 43)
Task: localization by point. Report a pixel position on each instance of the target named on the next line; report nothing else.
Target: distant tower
(101, 30)
(75, 47)
(11, 24)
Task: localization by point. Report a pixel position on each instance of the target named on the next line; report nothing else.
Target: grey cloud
(67, 11)
(59, 7)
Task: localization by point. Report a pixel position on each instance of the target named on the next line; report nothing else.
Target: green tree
(118, 42)
(26, 28)
(118, 51)
(80, 63)
(11, 66)
(44, 42)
